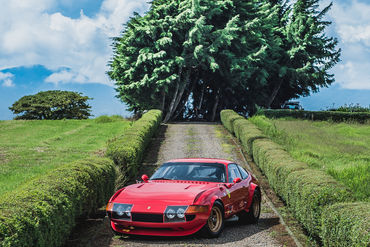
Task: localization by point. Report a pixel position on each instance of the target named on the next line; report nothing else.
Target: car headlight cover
(175, 213)
(180, 213)
(170, 214)
(122, 211)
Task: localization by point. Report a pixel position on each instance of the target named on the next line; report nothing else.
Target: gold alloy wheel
(256, 207)
(215, 219)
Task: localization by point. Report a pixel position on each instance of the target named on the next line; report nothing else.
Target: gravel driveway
(184, 140)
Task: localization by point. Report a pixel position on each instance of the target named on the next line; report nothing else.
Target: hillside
(31, 148)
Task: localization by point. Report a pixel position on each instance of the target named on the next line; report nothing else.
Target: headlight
(122, 211)
(175, 213)
(170, 214)
(181, 213)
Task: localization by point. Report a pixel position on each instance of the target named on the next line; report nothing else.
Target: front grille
(156, 218)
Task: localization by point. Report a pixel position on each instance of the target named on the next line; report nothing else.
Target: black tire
(253, 215)
(215, 223)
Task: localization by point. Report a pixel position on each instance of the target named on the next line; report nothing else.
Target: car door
(245, 183)
(236, 190)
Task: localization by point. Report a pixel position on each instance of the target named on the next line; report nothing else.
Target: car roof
(200, 160)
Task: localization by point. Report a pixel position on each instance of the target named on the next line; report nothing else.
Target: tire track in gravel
(186, 140)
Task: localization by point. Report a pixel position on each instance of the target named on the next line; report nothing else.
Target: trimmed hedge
(228, 117)
(43, 211)
(276, 164)
(323, 205)
(335, 116)
(306, 191)
(128, 149)
(346, 224)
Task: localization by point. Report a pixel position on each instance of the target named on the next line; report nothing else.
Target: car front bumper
(160, 229)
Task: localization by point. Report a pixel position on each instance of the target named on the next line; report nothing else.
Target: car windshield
(207, 172)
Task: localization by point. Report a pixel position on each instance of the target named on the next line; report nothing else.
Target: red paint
(153, 196)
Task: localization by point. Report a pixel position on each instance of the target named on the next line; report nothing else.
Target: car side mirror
(145, 178)
(237, 180)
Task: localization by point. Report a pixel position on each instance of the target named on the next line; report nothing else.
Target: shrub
(127, 150)
(306, 191)
(103, 119)
(336, 116)
(247, 133)
(228, 117)
(351, 108)
(346, 224)
(43, 211)
(276, 164)
(108, 119)
(244, 130)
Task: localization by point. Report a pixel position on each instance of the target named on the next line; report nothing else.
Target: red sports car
(184, 196)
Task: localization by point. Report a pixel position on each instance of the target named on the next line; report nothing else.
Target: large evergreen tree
(192, 58)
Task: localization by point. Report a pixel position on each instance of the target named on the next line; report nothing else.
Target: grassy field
(31, 148)
(341, 149)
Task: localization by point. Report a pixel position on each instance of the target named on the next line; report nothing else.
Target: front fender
(208, 198)
(252, 189)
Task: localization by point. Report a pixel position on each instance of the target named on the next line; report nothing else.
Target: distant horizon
(66, 45)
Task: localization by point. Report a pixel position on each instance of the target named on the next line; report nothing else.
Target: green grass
(340, 149)
(31, 148)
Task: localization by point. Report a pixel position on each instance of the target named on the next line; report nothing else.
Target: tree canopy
(53, 105)
(193, 58)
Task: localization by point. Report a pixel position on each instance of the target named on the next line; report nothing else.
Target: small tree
(54, 104)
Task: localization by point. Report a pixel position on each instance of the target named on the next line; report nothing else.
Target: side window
(243, 172)
(233, 172)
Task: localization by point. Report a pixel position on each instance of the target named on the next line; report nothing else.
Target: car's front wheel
(215, 222)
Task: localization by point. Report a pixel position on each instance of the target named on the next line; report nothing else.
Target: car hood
(164, 192)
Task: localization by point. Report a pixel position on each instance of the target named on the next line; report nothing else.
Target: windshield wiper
(162, 178)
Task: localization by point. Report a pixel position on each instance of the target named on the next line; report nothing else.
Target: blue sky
(65, 45)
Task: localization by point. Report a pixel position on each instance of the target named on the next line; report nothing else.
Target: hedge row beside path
(43, 211)
(128, 149)
(243, 129)
(228, 117)
(317, 200)
(361, 117)
(346, 224)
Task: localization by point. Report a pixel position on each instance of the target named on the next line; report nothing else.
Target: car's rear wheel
(215, 222)
(254, 211)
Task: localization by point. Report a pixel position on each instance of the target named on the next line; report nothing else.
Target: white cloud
(351, 21)
(30, 35)
(8, 83)
(6, 79)
(351, 78)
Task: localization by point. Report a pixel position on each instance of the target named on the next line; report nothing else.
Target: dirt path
(191, 140)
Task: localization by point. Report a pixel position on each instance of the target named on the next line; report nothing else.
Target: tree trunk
(168, 115)
(182, 90)
(178, 95)
(274, 93)
(185, 98)
(163, 100)
(200, 102)
(214, 110)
